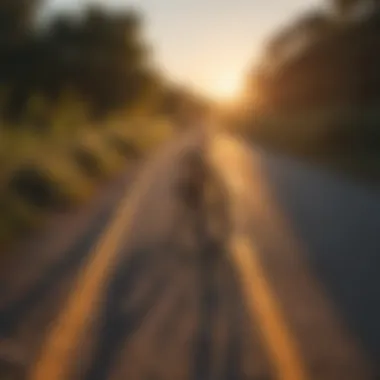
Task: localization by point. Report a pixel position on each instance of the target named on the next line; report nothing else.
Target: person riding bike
(205, 202)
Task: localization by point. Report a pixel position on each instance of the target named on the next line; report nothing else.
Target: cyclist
(206, 203)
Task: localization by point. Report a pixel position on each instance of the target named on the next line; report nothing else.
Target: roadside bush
(37, 187)
(88, 162)
(94, 157)
(50, 183)
(44, 173)
(152, 134)
(16, 216)
(124, 147)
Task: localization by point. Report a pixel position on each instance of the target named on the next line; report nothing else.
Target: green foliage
(88, 161)
(345, 6)
(49, 185)
(101, 57)
(16, 18)
(316, 93)
(313, 64)
(68, 93)
(17, 216)
(69, 115)
(36, 187)
(123, 146)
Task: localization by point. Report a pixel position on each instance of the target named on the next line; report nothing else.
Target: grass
(94, 157)
(40, 174)
(17, 217)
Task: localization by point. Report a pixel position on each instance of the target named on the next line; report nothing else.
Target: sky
(206, 44)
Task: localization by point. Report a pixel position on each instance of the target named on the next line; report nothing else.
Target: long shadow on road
(118, 324)
(207, 313)
(12, 314)
(169, 328)
(232, 369)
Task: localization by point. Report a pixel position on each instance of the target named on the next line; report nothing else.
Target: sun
(227, 88)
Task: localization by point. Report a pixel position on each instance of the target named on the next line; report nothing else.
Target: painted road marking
(59, 348)
(263, 304)
(261, 300)
(58, 351)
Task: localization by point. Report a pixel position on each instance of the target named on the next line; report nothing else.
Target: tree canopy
(101, 56)
(335, 65)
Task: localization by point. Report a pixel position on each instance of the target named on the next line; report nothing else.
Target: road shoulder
(327, 348)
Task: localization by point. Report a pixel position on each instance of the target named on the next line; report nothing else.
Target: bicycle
(206, 202)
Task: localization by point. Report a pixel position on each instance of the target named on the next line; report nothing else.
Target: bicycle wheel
(217, 213)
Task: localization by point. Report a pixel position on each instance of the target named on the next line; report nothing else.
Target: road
(127, 288)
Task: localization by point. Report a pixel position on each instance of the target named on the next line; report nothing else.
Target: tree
(344, 7)
(101, 56)
(16, 18)
(347, 8)
(299, 34)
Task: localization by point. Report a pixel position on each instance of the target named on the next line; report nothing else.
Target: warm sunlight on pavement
(233, 163)
(227, 151)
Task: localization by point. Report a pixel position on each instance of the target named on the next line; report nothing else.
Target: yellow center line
(59, 348)
(261, 301)
(263, 304)
(58, 351)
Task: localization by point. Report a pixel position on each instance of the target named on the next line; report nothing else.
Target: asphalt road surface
(133, 286)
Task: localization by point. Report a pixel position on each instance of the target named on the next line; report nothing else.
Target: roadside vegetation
(80, 101)
(316, 91)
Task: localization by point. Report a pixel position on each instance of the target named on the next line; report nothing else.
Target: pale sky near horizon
(207, 44)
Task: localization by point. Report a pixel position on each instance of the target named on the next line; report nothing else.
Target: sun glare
(227, 88)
